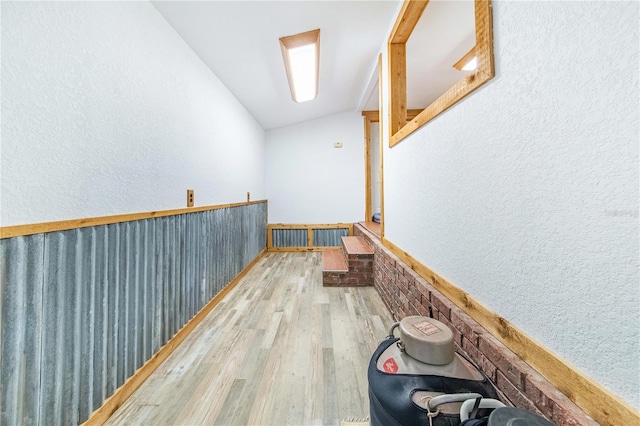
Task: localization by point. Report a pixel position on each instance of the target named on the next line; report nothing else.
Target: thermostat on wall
(337, 145)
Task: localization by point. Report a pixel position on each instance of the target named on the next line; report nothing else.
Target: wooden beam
(63, 225)
(367, 168)
(308, 226)
(410, 15)
(381, 145)
(459, 90)
(299, 249)
(111, 404)
(606, 408)
(413, 113)
(309, 237)
(269, 237)
(374, 116)
(397, 87)
(484, 40)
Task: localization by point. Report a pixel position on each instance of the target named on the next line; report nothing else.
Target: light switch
(337, 145)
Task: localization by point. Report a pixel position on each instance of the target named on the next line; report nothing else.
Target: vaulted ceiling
(238, 41)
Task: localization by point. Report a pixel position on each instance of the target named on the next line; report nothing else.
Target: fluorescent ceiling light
(468, 62)
(471, 65)
(301, 54)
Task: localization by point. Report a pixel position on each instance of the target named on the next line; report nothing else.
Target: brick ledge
(407, 293)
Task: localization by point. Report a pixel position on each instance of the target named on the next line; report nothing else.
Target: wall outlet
(189, 197)
(337, 145)
(248, 197)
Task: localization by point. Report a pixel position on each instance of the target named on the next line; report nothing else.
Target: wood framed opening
(400, 123)
(371, 185)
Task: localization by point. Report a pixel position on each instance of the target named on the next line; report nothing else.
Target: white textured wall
(105, 110)
(525, 194)
(310, 181)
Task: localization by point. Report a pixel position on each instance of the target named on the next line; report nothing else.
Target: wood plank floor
(280, 349)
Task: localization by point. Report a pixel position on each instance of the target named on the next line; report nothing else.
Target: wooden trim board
(408, 17)
(397, 88)
(309, 226)
(310, 237)
(373, 116)
(367, 167)
(111, 404)
(603, 406)
(297, 249)
(63, 225)
(381, 144)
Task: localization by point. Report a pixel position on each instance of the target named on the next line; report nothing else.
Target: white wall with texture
(310, 181)
(525, 194)
(106, 110)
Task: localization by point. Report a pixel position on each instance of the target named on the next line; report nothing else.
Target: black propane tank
(511, 416)
(419, 379)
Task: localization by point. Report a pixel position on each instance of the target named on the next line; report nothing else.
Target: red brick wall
(407, 293)
(360, 273)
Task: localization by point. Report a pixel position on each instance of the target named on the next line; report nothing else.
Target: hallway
(280, 349)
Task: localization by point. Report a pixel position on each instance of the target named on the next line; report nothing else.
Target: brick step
(356, 247)
(350, 265)
(333, 260)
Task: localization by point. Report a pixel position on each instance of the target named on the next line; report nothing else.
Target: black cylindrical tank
(512, 416)
(400, 385)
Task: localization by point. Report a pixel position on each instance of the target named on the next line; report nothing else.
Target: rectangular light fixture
(471, 65)
(467, 62)
(301, 54)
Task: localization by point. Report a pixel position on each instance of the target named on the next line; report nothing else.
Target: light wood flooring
(280, 349)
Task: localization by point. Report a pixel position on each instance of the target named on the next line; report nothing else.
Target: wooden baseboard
(111, 404)
(298, 249)
(603, 406)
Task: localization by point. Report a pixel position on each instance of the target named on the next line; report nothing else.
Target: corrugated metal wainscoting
(299, 237)
(289, 237)
(81, 310)
(303, 237)
(329, 237)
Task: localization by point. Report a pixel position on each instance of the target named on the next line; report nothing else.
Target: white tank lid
(427, 340)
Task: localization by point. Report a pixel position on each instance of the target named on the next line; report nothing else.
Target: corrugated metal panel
(81, 310)
(21, 287)
(329, 237)
(289, 237)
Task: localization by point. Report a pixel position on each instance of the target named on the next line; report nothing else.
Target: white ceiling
(238, 40)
